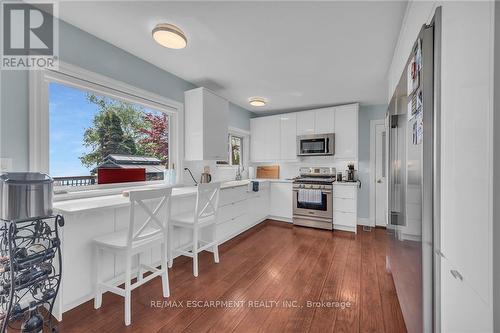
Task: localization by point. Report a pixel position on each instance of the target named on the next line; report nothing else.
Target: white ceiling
(296, 54)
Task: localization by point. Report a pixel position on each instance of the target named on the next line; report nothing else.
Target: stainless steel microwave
(316, 145)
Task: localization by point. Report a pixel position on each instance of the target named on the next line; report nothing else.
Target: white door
(380, 174)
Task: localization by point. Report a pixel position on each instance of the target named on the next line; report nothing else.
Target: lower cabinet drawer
(230, 195)
(344, 218)
(232, 210)
(344, 191)
(344, 205)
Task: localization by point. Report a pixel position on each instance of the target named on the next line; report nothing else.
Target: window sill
(62, 193)
(222, 166)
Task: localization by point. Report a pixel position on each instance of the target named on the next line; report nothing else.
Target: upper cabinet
(305, 122)
(275, 137)
(319, 121)
(265, 139)
(288, 136)
(324, 121)
(206, 125)
(346, 131)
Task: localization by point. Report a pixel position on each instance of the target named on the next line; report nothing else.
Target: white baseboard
(366, 222)
(344, 228)
(280, 218)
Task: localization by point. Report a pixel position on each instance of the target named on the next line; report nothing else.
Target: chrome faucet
(238, 174)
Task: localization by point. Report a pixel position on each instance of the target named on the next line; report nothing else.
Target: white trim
(373, 138)
(238, 131)
(83, 79)
(366, 221)
(246, 148)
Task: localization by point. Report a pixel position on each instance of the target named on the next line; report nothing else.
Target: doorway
(378, 173)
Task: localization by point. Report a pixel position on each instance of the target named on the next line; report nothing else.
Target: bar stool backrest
(156, 220)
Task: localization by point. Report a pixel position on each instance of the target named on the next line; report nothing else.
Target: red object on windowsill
(117, 175)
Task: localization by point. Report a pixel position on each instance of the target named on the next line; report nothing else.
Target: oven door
(308, 145)
(322, 210)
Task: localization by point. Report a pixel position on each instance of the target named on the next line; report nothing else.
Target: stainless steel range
(312, 198)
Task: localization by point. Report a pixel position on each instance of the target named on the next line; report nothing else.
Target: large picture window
(95, 139)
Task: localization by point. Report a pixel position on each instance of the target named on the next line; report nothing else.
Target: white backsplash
(219, 173)
(291, 169)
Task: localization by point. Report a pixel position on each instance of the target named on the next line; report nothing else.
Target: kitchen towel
(309, 196)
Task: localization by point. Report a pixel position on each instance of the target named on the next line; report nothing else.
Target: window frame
(244, 135)
(82, 79)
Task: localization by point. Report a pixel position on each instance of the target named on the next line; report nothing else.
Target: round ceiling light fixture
(257, 101)
(168, 35)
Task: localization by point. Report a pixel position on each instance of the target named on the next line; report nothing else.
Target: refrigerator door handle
(456, 274)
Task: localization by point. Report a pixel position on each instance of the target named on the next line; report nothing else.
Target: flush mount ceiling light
(257, 101)
(168, 35)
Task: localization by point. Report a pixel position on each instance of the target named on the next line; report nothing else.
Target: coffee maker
(351, 173)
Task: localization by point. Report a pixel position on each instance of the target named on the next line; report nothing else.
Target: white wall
(84, 50)
(466, 149)
(496, 202)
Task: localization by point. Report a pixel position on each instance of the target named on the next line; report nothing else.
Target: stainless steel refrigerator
(413, 187)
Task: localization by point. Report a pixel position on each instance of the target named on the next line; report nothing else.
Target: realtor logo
(29, 35)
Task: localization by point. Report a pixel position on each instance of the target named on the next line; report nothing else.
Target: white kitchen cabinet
(462, 308)
(345, 207)
(265, 139)
(346, 131)
(305, 122)
(239, 210)
(288, 140)
(281, 201)
(206, 125)
(258, 203)
(274, 138)
(324, 121)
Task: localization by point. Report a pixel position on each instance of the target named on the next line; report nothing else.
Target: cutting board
(268, 172)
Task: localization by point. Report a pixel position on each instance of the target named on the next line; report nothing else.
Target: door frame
(373, 138)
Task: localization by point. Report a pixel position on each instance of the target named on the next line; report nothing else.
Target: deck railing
(75, 181)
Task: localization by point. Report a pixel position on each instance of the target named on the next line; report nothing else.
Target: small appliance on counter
(30, 253)
(205, 176)
(339, 176)
(351, 174)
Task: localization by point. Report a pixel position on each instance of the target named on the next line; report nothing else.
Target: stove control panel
(318, 172)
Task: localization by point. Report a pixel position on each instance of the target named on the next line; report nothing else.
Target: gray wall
(496, 177)
(366, 114)
(84, 50)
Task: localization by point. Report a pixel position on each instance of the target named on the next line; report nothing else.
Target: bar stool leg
(170, 246)
(128, 291)
(215, 248)
(195, 251)
(140, 271)
(164, 275)
(98, 290)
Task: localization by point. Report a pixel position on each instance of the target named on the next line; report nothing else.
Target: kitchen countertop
(346, 183)
(81, 205)
(281, 180)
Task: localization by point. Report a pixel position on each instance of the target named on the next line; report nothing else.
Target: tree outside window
(235, 151)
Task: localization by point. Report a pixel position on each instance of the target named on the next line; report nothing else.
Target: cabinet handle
(456, 275)
(439, 253)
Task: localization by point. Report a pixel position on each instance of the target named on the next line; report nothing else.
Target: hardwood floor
(273, 262)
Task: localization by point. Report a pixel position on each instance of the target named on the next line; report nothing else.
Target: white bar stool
(134, 240)
(204, 215)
